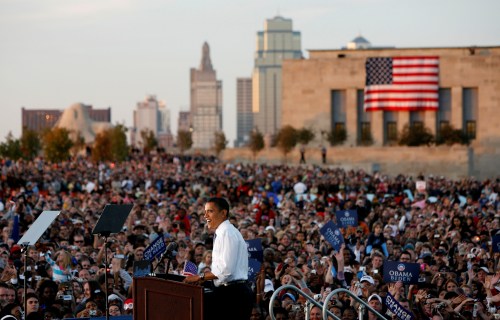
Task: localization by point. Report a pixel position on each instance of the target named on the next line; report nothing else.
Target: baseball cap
(270, 228)
(440, 252)
(375, 296)
(288, 295)
(268, 286)
(368, 279)
(129, 304)
(15, 248)
(425, 255)
(484, 269)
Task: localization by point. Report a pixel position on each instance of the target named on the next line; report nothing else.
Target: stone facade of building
(469, 82)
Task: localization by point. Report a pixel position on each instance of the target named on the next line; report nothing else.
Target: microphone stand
(169, 255)
(105, 235)
(24, 249)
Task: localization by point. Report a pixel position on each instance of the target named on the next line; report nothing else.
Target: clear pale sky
(54, 53)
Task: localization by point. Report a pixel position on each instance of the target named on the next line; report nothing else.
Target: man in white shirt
(232, 297)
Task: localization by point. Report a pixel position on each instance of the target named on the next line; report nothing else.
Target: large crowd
(446, 227)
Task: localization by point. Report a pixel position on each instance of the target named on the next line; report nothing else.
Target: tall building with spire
(206, 102)
(276, 43)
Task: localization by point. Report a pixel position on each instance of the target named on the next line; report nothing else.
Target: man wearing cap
(232, 297)
(482, 272)
(128, 306)
(368, 285)
(375, 301)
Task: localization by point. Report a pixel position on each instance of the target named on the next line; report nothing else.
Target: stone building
(326, 91)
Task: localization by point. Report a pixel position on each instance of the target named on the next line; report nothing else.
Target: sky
(113, 53)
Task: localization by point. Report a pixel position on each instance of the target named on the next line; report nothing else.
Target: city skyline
(112, 53)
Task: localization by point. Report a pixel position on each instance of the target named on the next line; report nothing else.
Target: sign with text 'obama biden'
(347, 218)
(255, 250)
(395, 271)
(333, 235)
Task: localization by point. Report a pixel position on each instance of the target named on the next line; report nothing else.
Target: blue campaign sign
(395, 271)
(347, 218)
(333, 235)
(397, 309)
(255, 250)
(156, 248)
(496, 243)
(253, 269)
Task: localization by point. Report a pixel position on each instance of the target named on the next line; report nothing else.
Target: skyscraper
(277, 42)
(152, 115)
(244, 116)
(206, 102)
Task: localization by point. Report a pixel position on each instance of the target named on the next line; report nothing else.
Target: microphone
(172, 246)
(169, 253)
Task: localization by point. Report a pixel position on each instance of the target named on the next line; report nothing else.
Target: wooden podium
(159, 299)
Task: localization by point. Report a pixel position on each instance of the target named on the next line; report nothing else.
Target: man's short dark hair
(406, 253)
(32, 295)
(220, 203)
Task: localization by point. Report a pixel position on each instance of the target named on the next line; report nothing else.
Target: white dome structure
(77, 120)
(359, 43)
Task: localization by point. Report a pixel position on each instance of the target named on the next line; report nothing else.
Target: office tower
(276, 43)
(184, 121)
(206, 102)
(244, 116)
(152, 115)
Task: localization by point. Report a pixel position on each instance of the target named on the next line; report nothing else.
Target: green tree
(414, 136)
(287, 139)
(305, 135)
(102, 149)
(184, 140)
(11, 148)
(149, 141)
(256, 142)
(111, 145)
(449, 135)
(337, 136)
(220, 142)
(119, 140)
(57, 144)
(30, 144)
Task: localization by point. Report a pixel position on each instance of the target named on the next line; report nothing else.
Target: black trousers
(229, 302)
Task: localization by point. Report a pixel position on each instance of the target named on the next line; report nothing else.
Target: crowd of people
(447, 228)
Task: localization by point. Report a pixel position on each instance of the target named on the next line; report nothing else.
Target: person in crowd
(449, 229)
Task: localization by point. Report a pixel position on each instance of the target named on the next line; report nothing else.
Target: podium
(159, 299)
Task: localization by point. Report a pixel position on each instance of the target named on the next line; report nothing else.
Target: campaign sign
(347, 218)
(397, 309)
(333, 235)
(255, 250)
(156, 248)
(253, 269)
(395, 271)
(496, 243)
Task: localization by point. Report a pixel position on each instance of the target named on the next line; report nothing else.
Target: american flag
(402, 83)
(190, 269)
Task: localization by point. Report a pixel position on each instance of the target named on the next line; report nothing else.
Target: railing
(361, 308)
(305, 295)
(324, 307)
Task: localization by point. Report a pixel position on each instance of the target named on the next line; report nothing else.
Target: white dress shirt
(229, 255)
